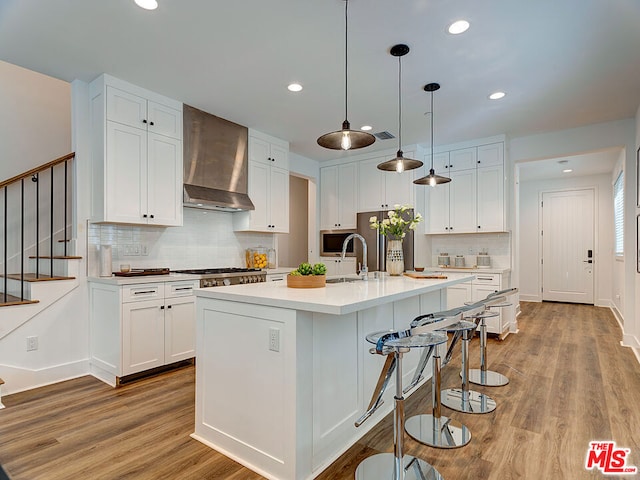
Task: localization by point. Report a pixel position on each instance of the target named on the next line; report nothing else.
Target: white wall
(624, 134)
(617, 286)
(35, 119)
(529, 259)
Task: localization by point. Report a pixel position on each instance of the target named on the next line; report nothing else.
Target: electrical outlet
(144, 249)
(274, 339)
(32, 344)
(135, 249)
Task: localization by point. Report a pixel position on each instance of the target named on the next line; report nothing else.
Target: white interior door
(568, 246)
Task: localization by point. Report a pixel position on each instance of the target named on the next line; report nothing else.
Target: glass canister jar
(256, 257)
(271, 258)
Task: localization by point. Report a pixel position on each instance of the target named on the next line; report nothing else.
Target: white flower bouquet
(397, 223)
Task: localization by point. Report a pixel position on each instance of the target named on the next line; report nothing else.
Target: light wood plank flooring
(571, 383)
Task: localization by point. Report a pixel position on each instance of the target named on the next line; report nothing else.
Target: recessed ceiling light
(458, 27)
(497, 95)
(294, 87)
(567, 170)
(366, 128)
(147, 4)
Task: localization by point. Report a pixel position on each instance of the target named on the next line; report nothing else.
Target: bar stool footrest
(440, 432)
(381, 467)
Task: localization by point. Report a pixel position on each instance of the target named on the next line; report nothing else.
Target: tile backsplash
(497, 245)
(206, 239)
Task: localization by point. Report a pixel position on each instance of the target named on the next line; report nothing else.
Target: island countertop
(334, 298)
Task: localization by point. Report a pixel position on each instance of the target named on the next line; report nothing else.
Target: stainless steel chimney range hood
(215, 162)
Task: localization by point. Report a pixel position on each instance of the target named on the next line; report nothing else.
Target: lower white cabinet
(478, 289)
(141, 326)
(336, 266)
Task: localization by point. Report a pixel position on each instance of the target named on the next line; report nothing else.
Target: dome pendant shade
(346, 139)
(400, 163)
(432, 179)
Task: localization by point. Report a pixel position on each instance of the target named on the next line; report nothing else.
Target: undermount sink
(343, 280)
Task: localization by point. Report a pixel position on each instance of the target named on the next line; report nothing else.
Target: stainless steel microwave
(331, 243)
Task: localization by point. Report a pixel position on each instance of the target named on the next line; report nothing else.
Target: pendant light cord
(346, 63)
(431, 130)
(399, 103)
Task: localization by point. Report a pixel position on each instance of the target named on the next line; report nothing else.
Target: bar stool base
(487, 378)
(477, 402)
(440, 432)
(381, 467)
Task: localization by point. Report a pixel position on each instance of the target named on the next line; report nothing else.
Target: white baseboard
(530, 298)
(19, 379)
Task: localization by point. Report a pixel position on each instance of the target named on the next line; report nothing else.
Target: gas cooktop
(216, 271)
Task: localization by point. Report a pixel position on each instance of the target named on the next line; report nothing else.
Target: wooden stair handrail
(39, 169)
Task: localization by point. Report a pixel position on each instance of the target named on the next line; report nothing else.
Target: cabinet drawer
(180, 289)
(487, 279)
(139, 292)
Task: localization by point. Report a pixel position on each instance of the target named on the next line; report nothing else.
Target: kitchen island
(282, 373)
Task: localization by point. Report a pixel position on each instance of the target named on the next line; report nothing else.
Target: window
(618, 216)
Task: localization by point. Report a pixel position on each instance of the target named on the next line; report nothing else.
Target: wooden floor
(571, 383)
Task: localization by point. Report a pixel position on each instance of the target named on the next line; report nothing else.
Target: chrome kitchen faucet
(364, 271)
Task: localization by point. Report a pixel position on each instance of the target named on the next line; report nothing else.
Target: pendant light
(400, 163)
(432, 179)
(346, 139)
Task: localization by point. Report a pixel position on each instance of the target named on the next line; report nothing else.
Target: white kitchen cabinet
(268, 151)
(336, 266)
(474, 199)
(339, 194)
(141, 326)
(136, 155)
(268, 187)
(380, 190)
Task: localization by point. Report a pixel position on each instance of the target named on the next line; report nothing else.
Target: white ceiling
(563, 63)
(592, 163)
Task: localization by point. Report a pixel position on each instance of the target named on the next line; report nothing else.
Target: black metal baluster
(22, 240)
(51, 240)
(5, 245)
(65, 208)
(35, 179)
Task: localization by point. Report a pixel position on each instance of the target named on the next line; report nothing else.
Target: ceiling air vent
(383, 135)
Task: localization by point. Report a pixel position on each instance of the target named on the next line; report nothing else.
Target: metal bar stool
(396, 466)
(482, 376)
(435, 429)
(462, 399)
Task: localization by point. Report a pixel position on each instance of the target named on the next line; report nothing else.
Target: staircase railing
(55, 169)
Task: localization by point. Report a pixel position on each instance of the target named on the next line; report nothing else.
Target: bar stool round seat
(396, 465)
(462, 399)
(482, 376)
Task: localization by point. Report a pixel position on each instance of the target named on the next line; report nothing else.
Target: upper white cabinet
(473, 201)
(380, 190)
(136, 155)
(339, 194)
(268, 186)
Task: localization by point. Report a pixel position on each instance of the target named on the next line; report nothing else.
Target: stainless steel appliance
(215, 162)
(377, 244)
(331, 243)
(219, 277)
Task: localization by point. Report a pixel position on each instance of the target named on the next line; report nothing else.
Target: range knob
(226, 282)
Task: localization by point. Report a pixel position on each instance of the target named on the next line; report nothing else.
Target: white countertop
(334, 298)
(172, 277)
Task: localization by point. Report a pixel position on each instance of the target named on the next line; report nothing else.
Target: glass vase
(395, 257)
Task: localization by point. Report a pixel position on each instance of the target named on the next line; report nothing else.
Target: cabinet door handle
(169, 306)
(161, 307)
(151, 123)
(144, 120)
(144, 215)
(151, 216)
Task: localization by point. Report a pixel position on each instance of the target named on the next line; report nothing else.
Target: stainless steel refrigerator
(377, 244)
